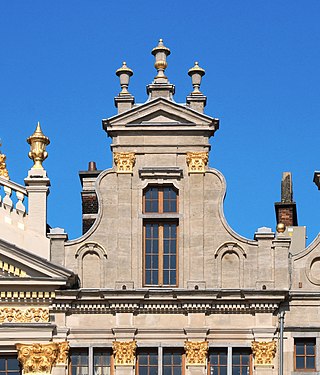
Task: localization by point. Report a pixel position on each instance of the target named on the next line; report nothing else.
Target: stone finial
(196, 352)
(3, 168)
(160, 53)
(124, 352)
(38, 142)
(263, 352)
(196, 73)
(124, 73)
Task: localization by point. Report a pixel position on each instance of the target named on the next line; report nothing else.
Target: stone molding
(124, 352)
(28, 315)
(163, 308)
(124, 161)
(263, 352)
(196, 352)
(197, 161)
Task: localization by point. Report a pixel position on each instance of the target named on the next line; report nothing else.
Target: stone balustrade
(8, 187)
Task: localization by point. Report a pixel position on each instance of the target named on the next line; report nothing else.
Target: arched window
(160, 232)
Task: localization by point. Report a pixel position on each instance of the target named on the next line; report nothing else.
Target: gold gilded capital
(38, 142)
(196, 352)
(37, 358)
(263, 352)
(197, 161)
(124, 161)
(63, 353)
(124, 353)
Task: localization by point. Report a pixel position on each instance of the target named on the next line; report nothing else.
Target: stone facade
(158, 283)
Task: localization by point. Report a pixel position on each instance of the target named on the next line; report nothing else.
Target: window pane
(223, 359)
(310, 362)
(155, 277)
(236, 371)
(12, 363)
(310, 348)
(153, 359)
(223, 371)
(299, 362)
(235, 359)
(2, 364)
(176, 370)
(166, 359)
(299, 348)
(143, 370)
(177, 359)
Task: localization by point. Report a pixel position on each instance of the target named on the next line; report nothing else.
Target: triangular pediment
(23, 267)
(161, 111)
(161, 117)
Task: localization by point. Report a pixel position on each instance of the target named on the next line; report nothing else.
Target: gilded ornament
(38, 142)
(124, 161)
(63, 352)
(263, 352)
(196, 352)
(197, 161)
(124, 352)
(3, 169)
(37, 358)
(28, 315)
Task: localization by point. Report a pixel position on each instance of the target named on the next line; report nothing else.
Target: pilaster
(37, 186)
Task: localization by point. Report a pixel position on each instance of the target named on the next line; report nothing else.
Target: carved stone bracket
(197, 161)
(263, 352)
(124, 161)
(29, 315)
(124, 352)
(196, 353)
(37, 358)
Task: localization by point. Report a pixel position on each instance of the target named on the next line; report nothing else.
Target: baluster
(7, 201)
(20, 207)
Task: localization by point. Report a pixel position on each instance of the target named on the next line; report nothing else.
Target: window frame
(305, 340)
(160, 351)
(90, 350)
(230, 351)
(161, 253)
(160, 199)
(160, 218)
(8, 371)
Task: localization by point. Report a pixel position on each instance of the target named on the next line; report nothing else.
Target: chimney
(89, 196)
(286, 210)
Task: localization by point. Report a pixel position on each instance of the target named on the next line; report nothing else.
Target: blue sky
(57, 65)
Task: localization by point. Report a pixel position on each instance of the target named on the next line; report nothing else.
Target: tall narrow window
(160, 236)
(172, 362)
(9, 365)
(101, 361)
(79, 362)
(305, 354)
(147, 362)
(218, 361)
(241, 361)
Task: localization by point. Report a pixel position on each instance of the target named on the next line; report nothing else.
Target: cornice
(167, 301)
